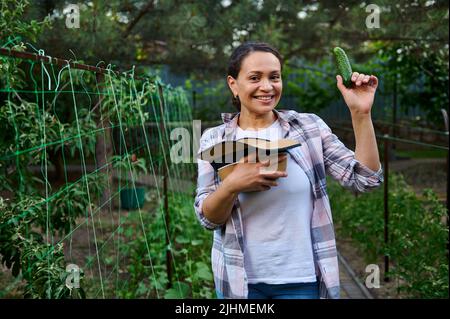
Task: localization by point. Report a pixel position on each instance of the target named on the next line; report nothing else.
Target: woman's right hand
(247, 175)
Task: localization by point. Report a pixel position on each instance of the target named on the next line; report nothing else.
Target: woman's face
(258, 84)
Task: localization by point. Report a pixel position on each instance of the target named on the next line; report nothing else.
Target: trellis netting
(81, 148)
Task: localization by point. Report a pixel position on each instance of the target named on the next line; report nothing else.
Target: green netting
(72, 142)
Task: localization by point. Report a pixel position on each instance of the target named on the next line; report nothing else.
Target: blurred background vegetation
(189, 42)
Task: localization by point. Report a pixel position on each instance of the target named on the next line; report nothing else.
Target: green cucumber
(343, 66)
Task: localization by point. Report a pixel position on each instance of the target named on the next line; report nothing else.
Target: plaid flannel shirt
(321, 152)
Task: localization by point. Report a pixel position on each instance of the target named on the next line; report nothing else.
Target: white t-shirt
(277, 224)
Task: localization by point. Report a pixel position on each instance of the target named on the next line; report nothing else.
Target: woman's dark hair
(240, 53)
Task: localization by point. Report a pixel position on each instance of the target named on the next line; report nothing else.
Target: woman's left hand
(359, 98)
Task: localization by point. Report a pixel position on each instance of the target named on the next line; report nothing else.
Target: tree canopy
(409, 46)
(200, 35)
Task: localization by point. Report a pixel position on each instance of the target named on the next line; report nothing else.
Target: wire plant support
(116, 115)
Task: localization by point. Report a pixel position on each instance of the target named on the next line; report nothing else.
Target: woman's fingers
(366, 79)
(265, 162)
(269, 182)
(269, 179)
(359, 79)
(251, 158)
(274, 175)
(373, 81)
(269, 160)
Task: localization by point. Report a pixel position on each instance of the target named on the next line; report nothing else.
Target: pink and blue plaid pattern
(321, 153)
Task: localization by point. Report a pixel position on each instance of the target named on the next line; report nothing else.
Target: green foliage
(124, 104)
(23, 251)
(73, 202)
(310, 86)
(311, 89)
(191, 37)
(197, 37)
(418, 234)
(26, 217)
(180, 291)
(60, 119)
(24, 125)
(99, 37)
(421, 77)
(211, 98)
(127, 168)
(10, 73)
(12, 24)
(22, 244)
(190, 247)
(45, 273)
(30, 132)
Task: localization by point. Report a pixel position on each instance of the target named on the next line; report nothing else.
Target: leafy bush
(190, 246)
(418, 236)
(24, 251)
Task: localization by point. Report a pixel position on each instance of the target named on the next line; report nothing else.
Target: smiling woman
(274, 235)
(256, 83)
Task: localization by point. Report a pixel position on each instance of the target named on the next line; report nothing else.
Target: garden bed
(418, 238)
